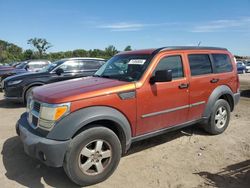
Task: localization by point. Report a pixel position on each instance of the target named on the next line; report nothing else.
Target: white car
(247, 66)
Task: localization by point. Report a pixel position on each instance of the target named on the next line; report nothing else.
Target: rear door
(202, 82)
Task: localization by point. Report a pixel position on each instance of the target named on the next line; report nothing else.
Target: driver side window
(173, 63)
(70, 66)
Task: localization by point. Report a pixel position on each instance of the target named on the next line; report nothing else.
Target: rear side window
(222, 63)
(173, 63)
(199, 64)
(92, 65)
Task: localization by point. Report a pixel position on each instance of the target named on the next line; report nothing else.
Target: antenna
(199, 43)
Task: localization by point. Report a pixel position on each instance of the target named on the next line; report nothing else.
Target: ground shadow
(10, 104)
(164, 138)
(30, 172)
(233, 176)
(245, 93)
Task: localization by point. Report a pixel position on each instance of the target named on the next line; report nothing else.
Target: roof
(168, 48)
(83, 58)
(145, 51)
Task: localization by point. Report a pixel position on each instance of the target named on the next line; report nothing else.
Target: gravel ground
(184, 158)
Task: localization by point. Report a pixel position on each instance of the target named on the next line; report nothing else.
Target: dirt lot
(185, 158)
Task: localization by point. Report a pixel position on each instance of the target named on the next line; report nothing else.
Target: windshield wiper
(101, 76)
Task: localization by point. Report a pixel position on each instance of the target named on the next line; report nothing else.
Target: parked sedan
(19, 87)
(23, 67)
(241, 68)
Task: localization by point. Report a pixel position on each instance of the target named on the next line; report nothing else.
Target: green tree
(128, 48)
(110, 51)
(27, 54)
(9, 52)
(42, 45)
(80, 53)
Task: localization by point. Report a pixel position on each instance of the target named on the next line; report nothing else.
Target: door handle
(183, 86)
(214, 80)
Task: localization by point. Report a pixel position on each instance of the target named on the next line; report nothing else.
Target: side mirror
(27, 67)
(161, 76)
(59, 71)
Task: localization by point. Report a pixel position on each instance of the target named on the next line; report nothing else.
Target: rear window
(199, 64)
(222, 63)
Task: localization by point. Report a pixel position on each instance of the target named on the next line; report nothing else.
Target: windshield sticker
(136, 61)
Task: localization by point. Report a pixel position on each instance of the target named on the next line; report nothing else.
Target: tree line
(10, 52)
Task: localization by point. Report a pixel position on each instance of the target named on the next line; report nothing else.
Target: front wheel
(93, 156)
(219, 119)
(28, 93)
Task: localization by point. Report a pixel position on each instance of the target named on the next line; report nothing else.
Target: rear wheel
(219, 119)
(93, 156)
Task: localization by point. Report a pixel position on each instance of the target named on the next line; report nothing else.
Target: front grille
(34, 121)
(36, 106)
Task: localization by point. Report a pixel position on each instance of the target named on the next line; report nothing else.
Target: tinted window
(199, 64)
(173, 63)
(70, 66)
(37, 65)
(92, 65)
(222, 63)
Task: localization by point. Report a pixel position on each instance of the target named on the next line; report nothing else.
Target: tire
(83, 152)
(219, 118)
(28, 93)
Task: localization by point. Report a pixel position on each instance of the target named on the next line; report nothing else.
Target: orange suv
(86, 124)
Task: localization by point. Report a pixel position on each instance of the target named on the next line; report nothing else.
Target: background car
(19, 87)
(23, 67)
(241, 68)
(247, 63)
(5, 70)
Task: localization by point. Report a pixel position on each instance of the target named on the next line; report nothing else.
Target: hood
(19, 71)
(78, 89)
(5, 68)
(26, 75)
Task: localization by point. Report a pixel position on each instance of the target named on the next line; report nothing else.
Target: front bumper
(13, 93)
(50, 152)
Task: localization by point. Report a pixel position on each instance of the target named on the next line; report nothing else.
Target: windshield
(124, 67)
(21, 65)
(51, 66)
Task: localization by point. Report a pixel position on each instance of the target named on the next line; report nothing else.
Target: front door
(164, 104)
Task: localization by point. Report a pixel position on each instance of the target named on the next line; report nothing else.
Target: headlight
(51, 113)
(10, 83)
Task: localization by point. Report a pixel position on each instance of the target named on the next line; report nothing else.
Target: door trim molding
(172, 109)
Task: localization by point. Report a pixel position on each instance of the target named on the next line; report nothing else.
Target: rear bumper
(50, 152)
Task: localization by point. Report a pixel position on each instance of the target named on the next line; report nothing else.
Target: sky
(90, 24)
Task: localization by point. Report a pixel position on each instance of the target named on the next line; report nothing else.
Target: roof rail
(189, 48)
